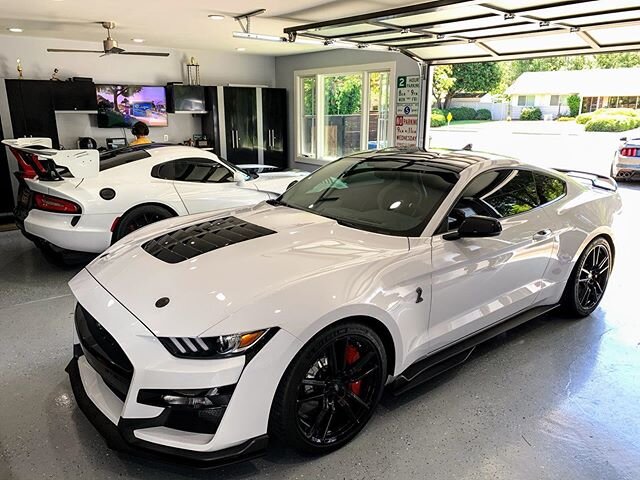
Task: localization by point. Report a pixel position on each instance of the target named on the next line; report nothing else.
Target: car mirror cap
(476, 227)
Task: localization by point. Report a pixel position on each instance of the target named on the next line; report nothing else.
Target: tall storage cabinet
(253, 125)
(274, 126)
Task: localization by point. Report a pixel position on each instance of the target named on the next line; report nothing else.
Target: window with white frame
(526, 100)
(342, 112)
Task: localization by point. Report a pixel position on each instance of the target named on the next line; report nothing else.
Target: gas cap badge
(162, 302)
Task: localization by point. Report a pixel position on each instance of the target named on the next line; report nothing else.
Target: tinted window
(115, 158)
(391, 196)
(549, 188)
(498, 194)
(193, 170)
(513, 192)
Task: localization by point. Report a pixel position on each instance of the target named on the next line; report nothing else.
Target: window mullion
(320, 116)
(364, 112)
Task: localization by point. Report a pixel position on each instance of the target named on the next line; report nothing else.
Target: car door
(477, 282)
(204, 184)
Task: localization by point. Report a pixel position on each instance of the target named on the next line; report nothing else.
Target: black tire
(140, 217)
(329, 409)
(589, 279)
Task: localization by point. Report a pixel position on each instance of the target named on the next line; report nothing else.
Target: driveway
(548, 144)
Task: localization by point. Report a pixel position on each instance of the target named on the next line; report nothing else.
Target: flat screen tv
(124, 105)
(188, 98)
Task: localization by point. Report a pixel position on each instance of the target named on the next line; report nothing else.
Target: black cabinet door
(241, 124)
(74, 96)
(274, 126)
(31, 108)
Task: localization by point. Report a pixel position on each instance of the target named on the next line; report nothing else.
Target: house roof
(587, 83)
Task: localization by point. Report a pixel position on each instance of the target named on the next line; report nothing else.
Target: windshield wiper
(276, 202)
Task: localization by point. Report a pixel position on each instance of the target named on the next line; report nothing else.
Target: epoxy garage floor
(553, 399)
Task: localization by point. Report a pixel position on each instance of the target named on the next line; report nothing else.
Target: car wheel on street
(589, 279)
(140, 217)
(330, 390)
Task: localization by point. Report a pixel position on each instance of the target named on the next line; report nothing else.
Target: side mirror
(292, 184)
(476, 227)
(239, 177)
(623, 139)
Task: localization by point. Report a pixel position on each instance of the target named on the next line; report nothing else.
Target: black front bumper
(121, 438)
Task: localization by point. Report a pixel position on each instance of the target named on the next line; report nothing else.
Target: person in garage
(141, 132)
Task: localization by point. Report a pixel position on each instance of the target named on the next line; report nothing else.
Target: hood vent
(189, 242)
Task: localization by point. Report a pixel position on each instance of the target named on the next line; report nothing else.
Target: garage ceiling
(448, 31)
(184, 24)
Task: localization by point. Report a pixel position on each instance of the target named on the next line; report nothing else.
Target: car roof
(122, 156)
(448, 159)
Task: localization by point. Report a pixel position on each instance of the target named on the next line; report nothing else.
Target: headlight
(217, 347)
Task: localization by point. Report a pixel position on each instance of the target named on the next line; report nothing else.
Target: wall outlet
(166, 137)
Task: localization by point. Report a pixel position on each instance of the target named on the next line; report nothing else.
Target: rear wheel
(140, 217)
(589, 279)
(330, 390)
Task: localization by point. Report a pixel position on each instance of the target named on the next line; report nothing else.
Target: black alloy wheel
(589, 279)
(332, 390)
(140, 217)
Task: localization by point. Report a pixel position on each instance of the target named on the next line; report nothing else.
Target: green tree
(343, 94)
(473, 78)
(443, 81)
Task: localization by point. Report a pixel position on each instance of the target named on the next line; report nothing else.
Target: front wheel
(330, 390)
(589, 279)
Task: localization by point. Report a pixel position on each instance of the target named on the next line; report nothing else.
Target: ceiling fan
(110, 46)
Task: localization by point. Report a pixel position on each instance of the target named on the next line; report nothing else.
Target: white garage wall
(286, 66)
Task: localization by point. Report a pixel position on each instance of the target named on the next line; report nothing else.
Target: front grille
(103, 353)
(189, 242)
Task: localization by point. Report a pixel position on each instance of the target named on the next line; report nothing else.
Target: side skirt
(458, 353)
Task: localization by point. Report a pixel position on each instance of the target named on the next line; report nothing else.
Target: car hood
(209, 287)
(277, 182)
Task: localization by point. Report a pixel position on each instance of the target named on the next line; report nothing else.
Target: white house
(598, 88)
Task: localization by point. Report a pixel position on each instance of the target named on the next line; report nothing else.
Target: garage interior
(554, 398)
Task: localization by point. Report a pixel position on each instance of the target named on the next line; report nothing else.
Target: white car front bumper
(91, 233)
(130, 425)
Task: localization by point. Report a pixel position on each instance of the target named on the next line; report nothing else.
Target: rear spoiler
(256, 167)
(37, 157)
(599, 181)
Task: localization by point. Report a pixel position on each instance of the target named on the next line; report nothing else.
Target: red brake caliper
(351, 356)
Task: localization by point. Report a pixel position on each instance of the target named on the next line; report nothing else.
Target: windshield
(393, 196)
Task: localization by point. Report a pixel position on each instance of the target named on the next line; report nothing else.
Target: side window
(498, 194)
(514, 193)
(549, 188)
(198, 170)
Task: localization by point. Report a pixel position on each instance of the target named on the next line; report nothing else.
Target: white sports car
(83, 200)
(199, 337)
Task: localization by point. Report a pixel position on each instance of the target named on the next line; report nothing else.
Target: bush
(628, 112)
(437, 119)
(566, 119)
(573, 102)
(612, 123)
(584, 118)
(531, 113)
(483, 114)
(463, 113)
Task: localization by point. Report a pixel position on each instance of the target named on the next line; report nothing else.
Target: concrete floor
(553, 399)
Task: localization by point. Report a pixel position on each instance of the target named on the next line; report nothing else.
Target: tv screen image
(124, 105)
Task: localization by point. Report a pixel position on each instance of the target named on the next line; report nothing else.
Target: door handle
(237, 139)
(542, 234)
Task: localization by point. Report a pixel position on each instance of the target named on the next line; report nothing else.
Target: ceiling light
(137, 40)
(216, 16)
(240, 49)
(15, 30)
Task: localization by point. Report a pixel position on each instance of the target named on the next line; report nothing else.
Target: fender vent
(189, 242)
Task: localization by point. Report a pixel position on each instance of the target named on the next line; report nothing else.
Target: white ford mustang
(199, 337)
(83, 201)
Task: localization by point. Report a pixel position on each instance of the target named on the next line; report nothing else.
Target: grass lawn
(468, 122)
